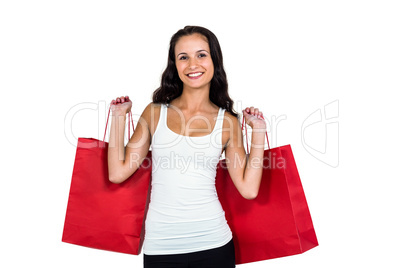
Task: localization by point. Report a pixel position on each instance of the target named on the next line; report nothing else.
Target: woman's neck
(193, 100)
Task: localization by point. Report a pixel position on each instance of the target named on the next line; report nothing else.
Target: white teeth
(195, 74)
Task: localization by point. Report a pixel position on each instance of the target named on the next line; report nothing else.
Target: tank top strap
(163, 115)
(219, 119)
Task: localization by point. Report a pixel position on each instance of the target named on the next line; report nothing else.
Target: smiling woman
(194, 63)
(208, 47)
(191, 115)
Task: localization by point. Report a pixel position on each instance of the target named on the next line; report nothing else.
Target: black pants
(221, 257)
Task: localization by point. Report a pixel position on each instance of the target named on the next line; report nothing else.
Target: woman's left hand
(254, 118)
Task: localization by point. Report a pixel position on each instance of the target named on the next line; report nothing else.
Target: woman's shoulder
(231, 125)
(151, 115)
(151, 109)
(229, 118)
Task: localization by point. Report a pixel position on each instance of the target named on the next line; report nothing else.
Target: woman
(188, 128)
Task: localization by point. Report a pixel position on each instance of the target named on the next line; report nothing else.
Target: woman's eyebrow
(202, 50)
(184, 53)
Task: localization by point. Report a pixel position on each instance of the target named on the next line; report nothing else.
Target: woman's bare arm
(124, 161)
(246, 172)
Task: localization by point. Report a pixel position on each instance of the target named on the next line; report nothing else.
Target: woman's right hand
(121, 106)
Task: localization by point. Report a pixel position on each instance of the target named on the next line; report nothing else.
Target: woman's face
(193, 61)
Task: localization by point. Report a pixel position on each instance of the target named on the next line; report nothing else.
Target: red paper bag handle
(243, 125)
(130, 116)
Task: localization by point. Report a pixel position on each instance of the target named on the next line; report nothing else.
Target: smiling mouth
(195, 75)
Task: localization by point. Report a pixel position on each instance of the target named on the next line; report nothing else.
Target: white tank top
(184, 213)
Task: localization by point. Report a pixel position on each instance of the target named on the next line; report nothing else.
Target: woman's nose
(192, 63)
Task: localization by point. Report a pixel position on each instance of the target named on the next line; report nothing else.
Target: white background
(60, 59)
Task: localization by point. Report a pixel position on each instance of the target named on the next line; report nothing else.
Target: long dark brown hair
(172, 87)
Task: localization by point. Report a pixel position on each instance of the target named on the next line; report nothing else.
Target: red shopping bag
(101, 214)
(277, 222)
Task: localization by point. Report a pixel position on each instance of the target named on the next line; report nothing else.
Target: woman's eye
(183, 58)
(202, 55)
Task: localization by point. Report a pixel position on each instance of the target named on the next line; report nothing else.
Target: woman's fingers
(253, 111)
(120, 100)
(253, 117)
